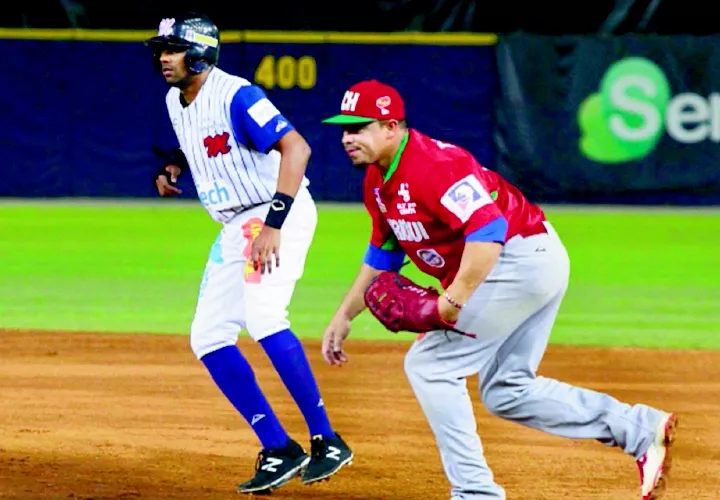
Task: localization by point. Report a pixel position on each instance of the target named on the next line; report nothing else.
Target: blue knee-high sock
(236, 379)
(288, 356)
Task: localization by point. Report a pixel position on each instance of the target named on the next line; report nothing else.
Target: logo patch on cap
(382, 103)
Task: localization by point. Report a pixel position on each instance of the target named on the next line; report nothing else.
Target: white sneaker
(655, 464)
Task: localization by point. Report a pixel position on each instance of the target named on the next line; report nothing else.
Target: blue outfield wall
(80, 117)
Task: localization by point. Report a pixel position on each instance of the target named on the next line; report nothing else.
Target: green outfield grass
(639, 277)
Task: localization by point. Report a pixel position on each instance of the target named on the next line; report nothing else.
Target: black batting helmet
(192, 33)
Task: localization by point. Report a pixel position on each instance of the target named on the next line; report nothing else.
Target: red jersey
(434, 196)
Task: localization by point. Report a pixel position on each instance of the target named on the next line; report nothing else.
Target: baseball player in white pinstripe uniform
(248, 164)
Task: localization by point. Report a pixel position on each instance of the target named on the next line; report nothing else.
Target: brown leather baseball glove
(402, 305)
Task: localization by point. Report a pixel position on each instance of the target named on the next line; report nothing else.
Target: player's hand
(332, 343)
(266, 249)
(164, 187)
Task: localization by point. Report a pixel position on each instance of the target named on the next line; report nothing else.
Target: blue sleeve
(384, 260)
(494, 231)
(256, 121)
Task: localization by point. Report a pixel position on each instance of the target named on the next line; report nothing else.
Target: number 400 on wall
(286, 72)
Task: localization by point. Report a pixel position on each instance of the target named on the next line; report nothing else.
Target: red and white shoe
(655, 464)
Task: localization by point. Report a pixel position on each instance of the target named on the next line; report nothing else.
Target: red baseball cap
(369, 101)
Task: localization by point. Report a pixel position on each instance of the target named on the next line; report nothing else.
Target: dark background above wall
(548, 17)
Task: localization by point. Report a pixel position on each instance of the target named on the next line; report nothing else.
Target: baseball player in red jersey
(504, 273)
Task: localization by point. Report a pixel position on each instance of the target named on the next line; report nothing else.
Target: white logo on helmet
(166, 27)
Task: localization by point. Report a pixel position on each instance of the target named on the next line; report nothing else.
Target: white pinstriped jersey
(227, 134)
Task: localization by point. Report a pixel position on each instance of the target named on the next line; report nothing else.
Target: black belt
(241, 209)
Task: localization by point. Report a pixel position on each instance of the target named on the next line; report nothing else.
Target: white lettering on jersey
(213, 193)
(263, 111)
(406, 208)
(349, 101)
(408, 231)
(465, 197)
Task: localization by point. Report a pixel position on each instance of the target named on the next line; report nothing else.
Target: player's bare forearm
(354, 302)
(295, 154)
(477, 261)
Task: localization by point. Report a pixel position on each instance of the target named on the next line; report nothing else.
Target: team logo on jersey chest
(217, 144)
(405, 207)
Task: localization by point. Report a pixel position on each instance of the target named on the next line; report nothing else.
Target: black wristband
(178, 158)
(164, 173)
(279, 210)
(173, 157)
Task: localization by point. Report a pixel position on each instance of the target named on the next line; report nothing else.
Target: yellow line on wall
(394, 38)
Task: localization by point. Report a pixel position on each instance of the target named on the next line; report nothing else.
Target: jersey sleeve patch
(256, 120)
(263, 111)
(465, 197)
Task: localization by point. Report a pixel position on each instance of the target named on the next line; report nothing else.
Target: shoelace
(260, 458)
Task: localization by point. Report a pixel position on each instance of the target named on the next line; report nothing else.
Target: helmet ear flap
(195, 61)
(195, 65)
(199, 59)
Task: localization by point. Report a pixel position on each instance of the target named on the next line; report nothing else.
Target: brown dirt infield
(86, 416)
